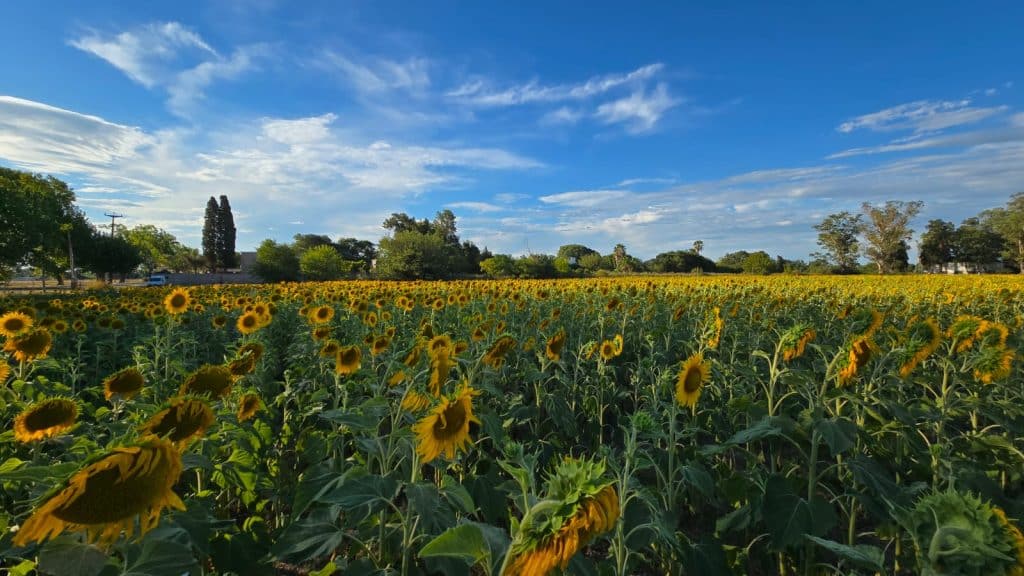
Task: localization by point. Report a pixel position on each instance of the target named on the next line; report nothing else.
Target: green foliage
(211, 234)
(837, 235)
(157, 247)
(977, 245)
(276, 262)
(536, 266)
(410, 254)
(225, 234)
(886, 234)
(1008, 222)
(937, 243)
(680, 261)
(759, 263)
(499, 266)
(323, 263)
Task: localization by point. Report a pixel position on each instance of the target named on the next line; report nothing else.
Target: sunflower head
(578, 505)
(126, 383)
(553, 350)
(859, 354)
(45, 419)
(955, 533)
(248, 323)
(105, 497)
(14, 323)
(693, 374)
(248, 406)
(178, 301)
(321, 314)
(495, 356)
(183, 420)
(348, 360)
(445, 430)
(5, 371)
(607, 350)
(209, 380)
(31, 345)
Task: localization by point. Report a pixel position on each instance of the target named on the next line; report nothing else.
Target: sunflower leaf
(865, 556)
(67, 556)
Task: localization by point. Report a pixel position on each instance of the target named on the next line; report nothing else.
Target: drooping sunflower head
(105, 497)
(126, 383)
(209, 380)
(183, 420)
(219, 321)
(379, 344)
(397, 378)
(414, 401)
(5, 371)
(553, 350)
(348, 360)
(578, 506)
(248, 406)
(693, 374)
(618, 342)
(445, 430)
(14, 323)
(495, 356)
(922, 337)
(958, 533)
(795, 340)
(29, 346)
(45, 419)
(178, 301)
(858, 356)
(330, 348)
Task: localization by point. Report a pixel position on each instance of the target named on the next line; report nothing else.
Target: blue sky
(740, 124)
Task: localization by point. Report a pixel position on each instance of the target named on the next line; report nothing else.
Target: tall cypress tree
(225, 234)
(211, 240)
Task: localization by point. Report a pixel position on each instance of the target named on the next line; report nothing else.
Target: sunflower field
(631, 425)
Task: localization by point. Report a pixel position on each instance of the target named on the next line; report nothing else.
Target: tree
(977, 245)
(211, 234)
(499, 266)
(225, 234)
(575, 252)
(594, 262)
(680, 261)
(323, 263)
(837, 235)
(355, 250)
(157, 247)
(1008, 222)
(111, 255)
(759, 262)
(887, 232)
(402, 222)
(303, 242)
(33, 210)
(935, 249)
(276, 262)
(698, 246)
(732, 261)
(410, 254)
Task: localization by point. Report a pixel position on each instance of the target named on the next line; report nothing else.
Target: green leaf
(839, 433)
(10, 465)
(159, 558)
(765, 428)
(863, 555)
(458, 495)
(365, 490)
(425, 500)
(240, 554)
(465, 542)
(39, 473)
(354, 421)
(786, 515)
(327, 570)
(738, 519)
(23, 569)
(67, 556)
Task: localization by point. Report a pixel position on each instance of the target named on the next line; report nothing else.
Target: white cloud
(145, 53)
(380, 74)
(477, 92)
(584, 198)
(169, 55)
(921, 116)
(509, 197)
(975, 138)
(639, 111)
(563, 115)
(475, 206)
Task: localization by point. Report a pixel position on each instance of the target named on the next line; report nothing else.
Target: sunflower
(177, 301)
(414, 401)
(330, 348)
(248, 323)
(578, 507)
(28, 346)
(553, 350)
(321, 314)
(104, 497)
(618, 342)
(248, 406)
(219, 321)
(322, 332)
(495, 356)
(45, 419)
(693, 374)
(924, 338)
(397, 378)
(796, 340)
(348, 360)
(379, 345)
(5, 371)
(859, 355)
(254, 349)
(242, 365)
(126, 383)
(184, 420)
(445, 429)
(440, 367)
(14, 323)
(208, 380)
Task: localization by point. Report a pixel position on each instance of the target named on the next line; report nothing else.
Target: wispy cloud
(639, 112)
(475, 206)
(375, 75)
(921, 116)
(584, 198)
(479, 93)
(171, 56)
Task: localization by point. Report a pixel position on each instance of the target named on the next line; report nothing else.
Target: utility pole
(113, 217)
